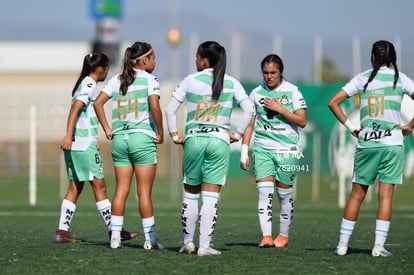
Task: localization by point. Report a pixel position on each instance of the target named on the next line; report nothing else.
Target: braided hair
(131, 58)
(383, 52)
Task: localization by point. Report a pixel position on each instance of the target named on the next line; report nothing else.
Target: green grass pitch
(27, 234)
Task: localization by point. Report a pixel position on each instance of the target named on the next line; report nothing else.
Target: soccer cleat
(188, 248)
(148, 245)
(63, 236)
(115, 243)
(266, 242)
(125, 235)
(341, 249)
(281, 241)
(209, 251)
(379, 250)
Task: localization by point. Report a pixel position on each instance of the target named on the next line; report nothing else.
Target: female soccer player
(136, 130)
(380, 147)
(82, 158)
(209, 94)
(281, 110)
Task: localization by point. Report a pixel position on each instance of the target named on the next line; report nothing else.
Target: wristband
(350, 126)
(175, 138)
(237, 136)
(244, 156)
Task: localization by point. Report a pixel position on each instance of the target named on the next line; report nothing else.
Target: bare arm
(334, 105)
(100, 113)
(154, 101)
(73, 115)
(244, 158)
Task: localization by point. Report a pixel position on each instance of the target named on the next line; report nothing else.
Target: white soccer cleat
(209, 251)
(341, 249)
(148, 245)
(188, 248)
(115, 243)
(379, 250)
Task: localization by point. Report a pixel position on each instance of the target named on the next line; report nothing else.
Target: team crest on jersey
(284, 100)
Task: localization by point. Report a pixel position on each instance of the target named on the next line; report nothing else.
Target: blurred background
(323, 43)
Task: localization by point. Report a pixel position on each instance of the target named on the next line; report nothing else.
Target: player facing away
(281, 110)
(380, 148)
(80, 145)
(209, 94)
(135, 132)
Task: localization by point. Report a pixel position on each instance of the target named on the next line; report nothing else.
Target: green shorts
(133, 149)
(281, 165)
(84, 165)
(206, 159)
(385, 162)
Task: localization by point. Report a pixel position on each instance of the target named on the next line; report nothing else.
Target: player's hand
(273, 104)
(159, 139)
(66, 143)
(406, 130)
(234, 137)
(245, 165)
(179, 140)
(109, 134)
(356, 132)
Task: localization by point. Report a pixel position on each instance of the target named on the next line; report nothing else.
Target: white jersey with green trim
(131, 112)
(206, 116)
(380, 106)
(85, 132)
(273, 131)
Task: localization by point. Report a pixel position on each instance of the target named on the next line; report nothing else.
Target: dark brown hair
(216, 56)
(383, 52)
(90, 63)
(132, 54)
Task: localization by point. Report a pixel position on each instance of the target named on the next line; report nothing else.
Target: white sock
(104, 209)
(347, 227)
(381, 231)
(286, 210)
(189, 216)
(265, 190)
(117, 222)
(208, 217)
(148, 225)
(67, 211)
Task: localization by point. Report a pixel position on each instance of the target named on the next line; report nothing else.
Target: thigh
(193, 158)
(391, 166)
(120, 154)
(145, 178)
(286, 165)
(85, 165)
(263, 163)
(142, 149)
(366, 165)
(216, 161)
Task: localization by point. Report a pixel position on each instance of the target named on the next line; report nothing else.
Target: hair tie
(145, 54)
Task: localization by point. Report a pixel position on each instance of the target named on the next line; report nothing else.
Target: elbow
(331, 104)
(302, 124)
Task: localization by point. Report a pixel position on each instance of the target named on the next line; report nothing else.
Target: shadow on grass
(242, 244)
(349, 252)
